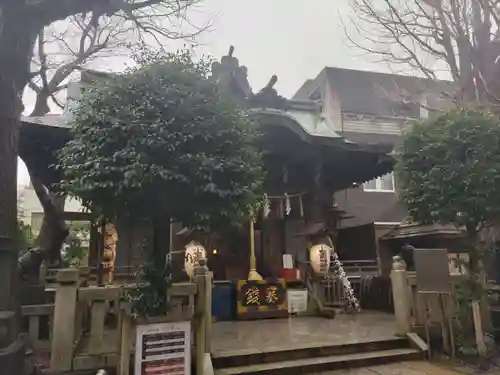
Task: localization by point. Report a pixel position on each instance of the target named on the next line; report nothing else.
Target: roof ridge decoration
(231, 76)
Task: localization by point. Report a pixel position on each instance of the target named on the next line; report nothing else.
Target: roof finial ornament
(231, 76)
(268, 96)
(271, 83)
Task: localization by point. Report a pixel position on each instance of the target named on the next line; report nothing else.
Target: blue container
(223, 301)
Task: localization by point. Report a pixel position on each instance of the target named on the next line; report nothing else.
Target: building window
(384, 183)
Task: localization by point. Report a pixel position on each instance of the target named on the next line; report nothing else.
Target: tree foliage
(161, 141)
(151, 298)
(449, 172)
(449, 168)
(71, 45)
(21, 22)
(76, 245)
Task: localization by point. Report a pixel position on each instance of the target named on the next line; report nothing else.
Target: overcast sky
(290, 38)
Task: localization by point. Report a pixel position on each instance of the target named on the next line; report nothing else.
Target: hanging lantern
(319, 257)
(194, 252)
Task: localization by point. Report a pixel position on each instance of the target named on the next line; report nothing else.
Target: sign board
(163, 348)
(297, 300)
(262, 299)
(432, 269)
(287, 261)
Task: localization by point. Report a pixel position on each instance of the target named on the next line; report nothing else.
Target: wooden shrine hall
(306, 163)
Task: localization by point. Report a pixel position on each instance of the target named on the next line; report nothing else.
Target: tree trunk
(16, 48)
(9, 130)
(41, 104)
(316, 212)
(53, 230)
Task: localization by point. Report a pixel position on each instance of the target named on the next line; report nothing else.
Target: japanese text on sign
(252, 296)
(262, 294)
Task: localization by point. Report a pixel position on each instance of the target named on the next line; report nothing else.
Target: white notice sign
(163, 348)
(297, 300)
(287, 261)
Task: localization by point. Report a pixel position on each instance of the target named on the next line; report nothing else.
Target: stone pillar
(203, 316)
(63, 331)
(11, 345)
(401, 297)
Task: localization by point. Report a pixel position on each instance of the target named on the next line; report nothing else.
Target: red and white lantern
(319, 257)
(194, 252)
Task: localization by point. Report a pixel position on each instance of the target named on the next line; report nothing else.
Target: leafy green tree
(76, 245)
(449, 171)
(161, 141)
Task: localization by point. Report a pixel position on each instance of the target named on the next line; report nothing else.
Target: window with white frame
(383, 183)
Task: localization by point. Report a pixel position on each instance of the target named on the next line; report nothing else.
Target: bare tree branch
(461, 35)
(108, 28)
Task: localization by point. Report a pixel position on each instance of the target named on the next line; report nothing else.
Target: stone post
(43, 273)
(201, 277)
(63, 330)
(125, 343)
(400, 296)
(208, 311)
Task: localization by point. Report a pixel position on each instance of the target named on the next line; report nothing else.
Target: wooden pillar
(63, 331)
(316, 210)
(400, 293)
(93, 245)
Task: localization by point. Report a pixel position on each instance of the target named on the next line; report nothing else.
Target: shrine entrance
(301, 345)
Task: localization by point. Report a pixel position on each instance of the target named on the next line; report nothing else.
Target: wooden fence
(373, 291)
(90, 327)
(413, 310)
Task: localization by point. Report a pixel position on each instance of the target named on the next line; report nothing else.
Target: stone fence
(91, 327)
(418, 312)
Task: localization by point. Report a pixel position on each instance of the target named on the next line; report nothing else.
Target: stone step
(258, 355)
(320, 364)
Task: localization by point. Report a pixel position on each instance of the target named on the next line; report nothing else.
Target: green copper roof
(305, 123)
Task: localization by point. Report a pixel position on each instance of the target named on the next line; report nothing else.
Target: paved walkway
(403, 368)
(301, 332)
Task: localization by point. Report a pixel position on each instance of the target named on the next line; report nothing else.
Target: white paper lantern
(319, 256)
(194, 252)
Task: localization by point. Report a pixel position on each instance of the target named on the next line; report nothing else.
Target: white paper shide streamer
(288, 206)
(266, 208)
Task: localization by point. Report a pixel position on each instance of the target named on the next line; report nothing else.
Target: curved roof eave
(54, 121)
(306, 124)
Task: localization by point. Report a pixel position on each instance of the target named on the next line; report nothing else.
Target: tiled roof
(54, 120)
(416, 230)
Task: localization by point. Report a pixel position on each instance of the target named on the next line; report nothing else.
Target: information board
(163, 348)
(432, 269)
(297, 301)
